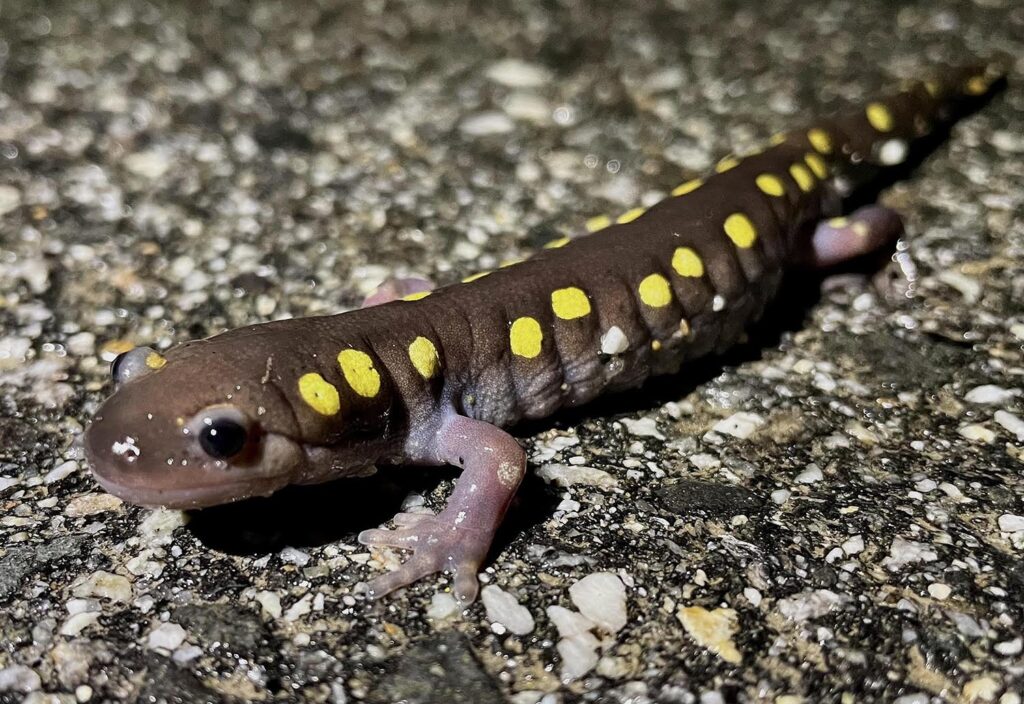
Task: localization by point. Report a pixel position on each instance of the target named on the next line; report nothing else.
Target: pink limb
(393, 289)
(865, 230)
(458, 538)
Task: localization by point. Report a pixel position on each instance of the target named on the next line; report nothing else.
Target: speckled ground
(832, 514)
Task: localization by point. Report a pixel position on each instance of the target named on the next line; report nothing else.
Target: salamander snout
(182, 435)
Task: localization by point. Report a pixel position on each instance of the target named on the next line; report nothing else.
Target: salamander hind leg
(394, 289)
(863, 231)
(458, 538)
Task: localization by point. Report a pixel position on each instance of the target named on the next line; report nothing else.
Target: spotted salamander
(431, 377)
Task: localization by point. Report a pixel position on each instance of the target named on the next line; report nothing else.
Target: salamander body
(432, 377)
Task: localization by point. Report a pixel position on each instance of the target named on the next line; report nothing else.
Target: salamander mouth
(196, 496)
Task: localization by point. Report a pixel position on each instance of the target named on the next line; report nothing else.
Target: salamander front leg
(393, 289)
(864, 230)
(458, 538)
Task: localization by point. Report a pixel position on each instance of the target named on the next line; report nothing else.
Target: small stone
(82, 344)
(91, 504)
(442, 607)
(8, 482)
(1011, 523)
(781, 496)
(579, 656)
(18, 678)
(61, 471)
(503, 608)
(1010, 647)
(295, 556)
(601, 597)
(811, 603)
(487, 123)
(643, 427)
(977, 432)
(105, 586)
(614, 341)
(515, 73)
(569, 475)
(905, 552)
(1010, 423)
(981, 689)
(158, 525)
(752, 595)
(149, 164)
(853, 545)
(299, 609)
(939, 591)
(712, 630)
(166, 636)
(915, 698)
(989, 394)
(568, 622)
(270, 603)
(78, 622)
(810, 475)
(739, 425)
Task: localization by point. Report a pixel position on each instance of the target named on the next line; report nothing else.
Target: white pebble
(989, 394)
(487, 123)
(1010, 423)
(81, 344)
(515, 73)
(810, 475)
(568, 475)
(8, 482)
(1011, 523)
(781, 496)
(148, 164)
(270, 603)
(568, 622)
(579, 656)
(18, 678)
(601, 597)
(614, 341)
(904, 552)
(939, 591)
(503, 608)
(644, 427)
(739, 425)
(166, 636)
(752, 595)
(295, 556)
(61, 471)
(1010, 647)
(853, 545)
(978, 432)
(442, 606)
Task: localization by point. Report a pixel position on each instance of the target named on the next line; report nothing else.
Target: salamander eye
(134, 363)
(223, 433)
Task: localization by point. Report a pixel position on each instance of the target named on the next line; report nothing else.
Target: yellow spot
(155, 360)
(569, 303)
(880, 117)
(740, 230)
(474, 277)
(932, 87)
(655, 291)
(525, 337)
(555, 244)
(423, 356)
(320, 395)
(684, 327)
(777, 139)
(838, 222)
(772, 185)
(729, 162)
(598, 223)
(817, 165)
(689, 186)
(976, 85)
(630, 216)
(416, 296)
(655, 345)
(359, 372)
(820, 140)
(802, 176)
(509, 262)
(686, 262)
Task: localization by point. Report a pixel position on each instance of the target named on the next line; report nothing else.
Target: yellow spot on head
(817, 164)
(976, 85)
(729, 162)
(684, 188)
(802, 176)
(655, 345)
(686, 262)
(838, 222)
(630, 216)
(359, 372)
(655, 291)
(598, 223)
(525, 337)
(416, 296)
(932, 87)
(319, 394)
(474, 277)
(555, 244)
(772, 185)
(423, 356)
(569, 303)
(777, 139)
(880, 117)
(155, 360)
(740, 230)
(820, 140)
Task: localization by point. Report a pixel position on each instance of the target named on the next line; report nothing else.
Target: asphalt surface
(832, 513)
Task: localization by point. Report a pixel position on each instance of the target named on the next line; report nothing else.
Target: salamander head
(192, 429)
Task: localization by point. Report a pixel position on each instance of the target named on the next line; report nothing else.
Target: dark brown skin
(433, 378)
